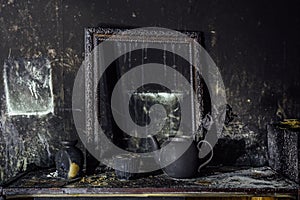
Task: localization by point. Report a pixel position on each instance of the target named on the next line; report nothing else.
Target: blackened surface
(30, 29)
(254, 43)
(227, 151)
(260, 180)
(109, 198)
(283, 151)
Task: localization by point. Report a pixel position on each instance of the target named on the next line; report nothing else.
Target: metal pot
(69, 160)
(187, 164)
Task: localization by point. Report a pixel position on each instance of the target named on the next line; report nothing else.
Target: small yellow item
(291, 123)
(73, 170)
(262, 198)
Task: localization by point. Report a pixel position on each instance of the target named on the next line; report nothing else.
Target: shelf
(214, 182)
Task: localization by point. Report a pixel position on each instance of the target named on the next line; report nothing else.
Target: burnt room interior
(44, 45)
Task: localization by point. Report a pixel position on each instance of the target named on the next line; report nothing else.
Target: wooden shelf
(214, 183)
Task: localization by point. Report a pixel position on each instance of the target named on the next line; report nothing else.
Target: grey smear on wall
(28, 86)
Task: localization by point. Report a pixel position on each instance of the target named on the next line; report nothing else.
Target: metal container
(69, 160)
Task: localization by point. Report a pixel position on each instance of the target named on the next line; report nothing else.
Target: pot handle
(199, 148)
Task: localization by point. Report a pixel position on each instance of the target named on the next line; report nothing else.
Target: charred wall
(255, 44)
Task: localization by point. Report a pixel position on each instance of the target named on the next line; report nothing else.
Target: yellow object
(262, 198)
(291, 123)
(73, 170)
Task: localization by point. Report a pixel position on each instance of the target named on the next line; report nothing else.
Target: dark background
(255, 44)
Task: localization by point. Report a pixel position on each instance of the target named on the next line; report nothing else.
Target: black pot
(186, 166)
(69, 160)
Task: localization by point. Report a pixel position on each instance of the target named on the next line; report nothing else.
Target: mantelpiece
(223, 182)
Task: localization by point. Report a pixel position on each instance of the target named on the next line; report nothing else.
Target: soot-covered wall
(255, 45)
